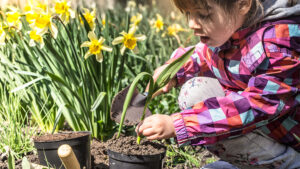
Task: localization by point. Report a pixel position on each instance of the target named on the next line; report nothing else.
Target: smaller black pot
(47, 151)
(122, 161)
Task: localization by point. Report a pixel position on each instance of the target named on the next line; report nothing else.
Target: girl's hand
(172, 83)
(156, 127)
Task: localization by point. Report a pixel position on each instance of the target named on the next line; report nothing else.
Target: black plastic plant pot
(47, 150)
(122, 161)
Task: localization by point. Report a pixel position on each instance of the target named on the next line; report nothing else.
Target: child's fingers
(157, 93)
(137, 129)
(148, 132)
(154, 137)
(170, 85)
(142, 126)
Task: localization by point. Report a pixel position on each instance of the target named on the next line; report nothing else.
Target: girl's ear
(244, 6)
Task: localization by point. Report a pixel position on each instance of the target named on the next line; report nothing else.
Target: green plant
(36, 98)
(59, 84)
(166, 75)
(15, 133)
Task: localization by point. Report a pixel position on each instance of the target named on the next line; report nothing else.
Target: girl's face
(213, 25)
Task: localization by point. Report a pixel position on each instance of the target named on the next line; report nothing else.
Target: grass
(15, 133)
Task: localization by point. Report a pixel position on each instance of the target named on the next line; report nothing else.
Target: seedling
(167, 74)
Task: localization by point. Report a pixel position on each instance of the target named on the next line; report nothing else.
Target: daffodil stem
(74, 51)
(72, 43)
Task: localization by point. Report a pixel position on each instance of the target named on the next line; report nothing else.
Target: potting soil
(128, 145)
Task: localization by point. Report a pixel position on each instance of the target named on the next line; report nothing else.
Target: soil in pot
(47, 146)
(125, 153)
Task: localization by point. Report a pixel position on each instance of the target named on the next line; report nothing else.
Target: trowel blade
(134, 110)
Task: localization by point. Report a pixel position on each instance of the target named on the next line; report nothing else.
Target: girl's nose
(193, 24)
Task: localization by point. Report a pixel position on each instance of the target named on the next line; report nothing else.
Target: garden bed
(100, 158)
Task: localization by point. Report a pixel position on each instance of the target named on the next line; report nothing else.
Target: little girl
(252, 48)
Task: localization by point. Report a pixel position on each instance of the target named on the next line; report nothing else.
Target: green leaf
(11, 160)
(170, 71)
(130, 94)
(57, 118)
(27, 73)
(27, 84)
(98, 101)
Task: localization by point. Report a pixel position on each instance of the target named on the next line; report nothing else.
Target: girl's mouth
(204, 39)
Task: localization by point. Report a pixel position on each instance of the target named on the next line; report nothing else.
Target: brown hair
(253, 17)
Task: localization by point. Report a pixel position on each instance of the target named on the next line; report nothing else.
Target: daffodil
(2, 36)
(35, 5)
(63, 8)
(40, 5)
(90, 17)
(34, 37)
(44, 22)
(32, 10)
(13, 18)
(136, 19)
(95, 47)
(31, 16)
(158, 24)
(129, 39)
(173, 30)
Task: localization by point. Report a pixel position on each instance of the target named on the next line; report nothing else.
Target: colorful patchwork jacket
(260, 74)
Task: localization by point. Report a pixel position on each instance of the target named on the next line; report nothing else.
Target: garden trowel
(134, 110)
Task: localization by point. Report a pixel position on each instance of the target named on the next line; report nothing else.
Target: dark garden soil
(33, 158)
(59, 136)
(127, 145)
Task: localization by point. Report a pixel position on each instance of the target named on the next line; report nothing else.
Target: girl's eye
(201, 16)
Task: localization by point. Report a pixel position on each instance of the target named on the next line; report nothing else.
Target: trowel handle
(171, 83)
(68, 157)
(157, 93)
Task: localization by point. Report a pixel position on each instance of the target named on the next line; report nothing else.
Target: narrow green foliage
(11, 160)
(161, 81)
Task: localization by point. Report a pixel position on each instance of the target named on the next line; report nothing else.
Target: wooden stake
(68, 157)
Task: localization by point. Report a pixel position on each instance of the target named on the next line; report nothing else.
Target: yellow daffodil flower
(41, 5)
(44, 22)
(32, 10)
(136, 19)
(173, 30)
(35, 5)
(31, 16)
(13, 18)
(27, 8)
(34, 37)
(95, 47)
(63, 8)
(158, 24)
(2, 36)
(90, 17)
(129, 40)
